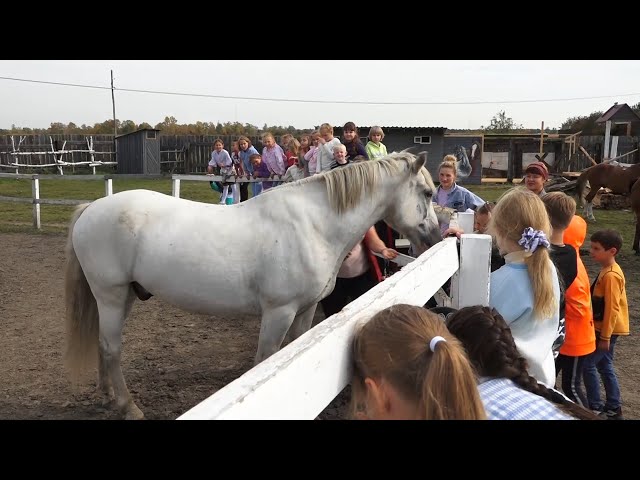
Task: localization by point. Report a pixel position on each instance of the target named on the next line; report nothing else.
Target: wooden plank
(230, 179)
(300, 380)
(60, 201)
(142, 176)
(16, 175)
(43, 201)
(15, 199)
(607, 134)
(587, 155)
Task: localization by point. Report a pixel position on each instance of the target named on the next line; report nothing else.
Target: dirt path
(172, 359)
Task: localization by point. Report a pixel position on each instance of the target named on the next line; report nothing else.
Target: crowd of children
(543, 318)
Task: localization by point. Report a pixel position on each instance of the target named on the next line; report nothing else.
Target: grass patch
(16, 217)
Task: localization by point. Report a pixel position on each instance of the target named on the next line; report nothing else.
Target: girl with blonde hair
(407, 366)
(526, 290)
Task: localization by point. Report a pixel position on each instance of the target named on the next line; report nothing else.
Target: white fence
(299, 381)
(36, 201)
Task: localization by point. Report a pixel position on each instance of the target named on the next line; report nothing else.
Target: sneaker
(612, 414)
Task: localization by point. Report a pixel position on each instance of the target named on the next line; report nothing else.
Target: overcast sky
(36, 105)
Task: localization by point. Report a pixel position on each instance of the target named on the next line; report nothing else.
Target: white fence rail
(108, 186)
(300, 380)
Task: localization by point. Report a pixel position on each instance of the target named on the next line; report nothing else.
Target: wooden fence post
(466, 221)
(108, 186)
(35, 194)
(470, 284)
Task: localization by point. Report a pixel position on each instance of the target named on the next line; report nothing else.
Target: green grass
(18, 217)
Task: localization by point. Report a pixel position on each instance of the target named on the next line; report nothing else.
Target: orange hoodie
(580, 333)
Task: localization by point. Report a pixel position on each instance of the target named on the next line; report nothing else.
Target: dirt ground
(172, 360)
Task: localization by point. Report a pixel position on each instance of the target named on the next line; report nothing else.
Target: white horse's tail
(82, 310)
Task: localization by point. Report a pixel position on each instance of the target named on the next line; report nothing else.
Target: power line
(351, 102)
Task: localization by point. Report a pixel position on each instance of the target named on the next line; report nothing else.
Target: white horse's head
(412, 213)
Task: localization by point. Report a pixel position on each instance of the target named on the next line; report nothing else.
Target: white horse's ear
(420, 162)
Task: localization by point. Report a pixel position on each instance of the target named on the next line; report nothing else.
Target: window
(151, 134)
(424, 140)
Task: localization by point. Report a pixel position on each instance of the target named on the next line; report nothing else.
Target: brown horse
(635, 206)
(618, 179)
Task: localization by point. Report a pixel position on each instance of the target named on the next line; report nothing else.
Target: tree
(586, 124)
(500, 123)
(127, 126)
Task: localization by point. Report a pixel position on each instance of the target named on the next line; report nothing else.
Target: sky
(428, 93)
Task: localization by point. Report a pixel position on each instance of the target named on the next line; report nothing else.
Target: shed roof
(398, 127)
(137, 131)
(619, 112)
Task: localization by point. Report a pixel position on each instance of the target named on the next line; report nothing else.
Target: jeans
(603, 362)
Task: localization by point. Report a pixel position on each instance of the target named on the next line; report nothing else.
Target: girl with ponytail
(407, 366)
(526, 291)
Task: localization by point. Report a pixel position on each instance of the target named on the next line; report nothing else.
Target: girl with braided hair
(407, 366)
(507, 390)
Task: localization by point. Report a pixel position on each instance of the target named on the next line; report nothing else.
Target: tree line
(499, 123)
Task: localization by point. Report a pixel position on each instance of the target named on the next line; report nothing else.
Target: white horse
(143, 243)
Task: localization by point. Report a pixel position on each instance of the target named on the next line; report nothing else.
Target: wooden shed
(139, 152)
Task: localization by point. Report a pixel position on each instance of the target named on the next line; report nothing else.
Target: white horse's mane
(347, 186)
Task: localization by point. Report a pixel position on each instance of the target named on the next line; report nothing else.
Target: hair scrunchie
(532, 239)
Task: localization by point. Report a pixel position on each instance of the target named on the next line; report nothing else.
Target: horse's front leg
(273, 328)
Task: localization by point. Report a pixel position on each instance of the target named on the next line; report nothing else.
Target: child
(581, 340)
(611, 317)
(356, 275)
(311, 157)
(449, 194)
(221, 159)
(375, 148)
(245, 152)
(294, 172)
(535, 176)
(525, 291)
(577, 337)
(292, 152)
(351, 140)
(340, 157)
(407, 366)
(260, 170)
(274, 158)
(305, 146)
(507, 390)
(326, 142)
(480, 224)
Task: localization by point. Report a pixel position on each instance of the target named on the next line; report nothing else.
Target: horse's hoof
(134, 413)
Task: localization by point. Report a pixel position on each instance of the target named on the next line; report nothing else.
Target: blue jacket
(244, 156)
(461, 199)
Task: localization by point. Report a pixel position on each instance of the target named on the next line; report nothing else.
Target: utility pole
(115, 125)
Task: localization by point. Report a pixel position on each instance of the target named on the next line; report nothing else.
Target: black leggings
(346, 291)
(571, 368)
